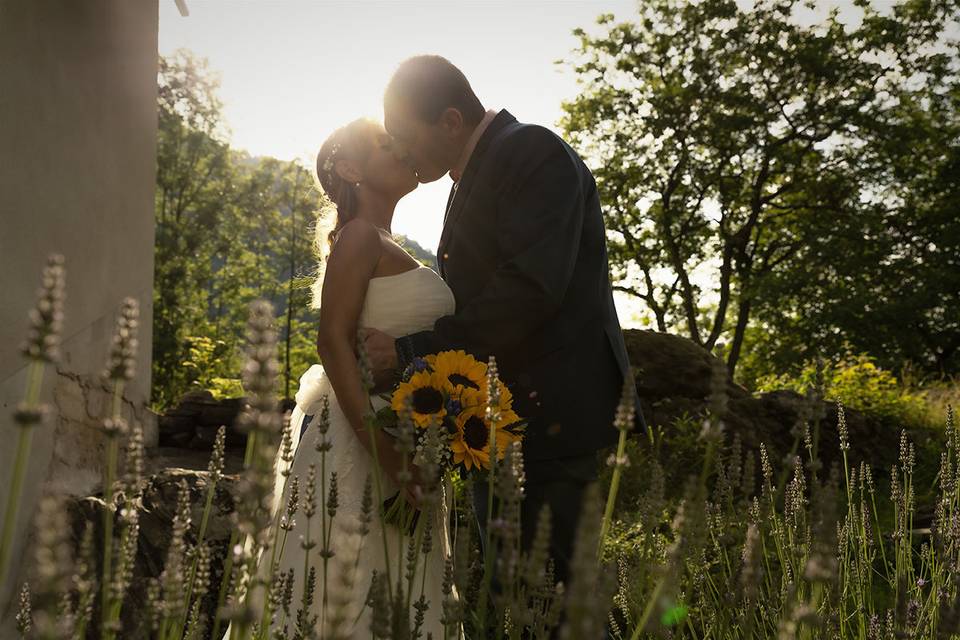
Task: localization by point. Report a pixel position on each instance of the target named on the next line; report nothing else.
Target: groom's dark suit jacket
(523, 250)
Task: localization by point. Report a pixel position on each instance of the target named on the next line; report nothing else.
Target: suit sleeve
(539, 222)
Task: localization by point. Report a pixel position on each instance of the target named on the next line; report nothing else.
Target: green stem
(113, 448)
(306, 569)
(117, 605)
(612, 494)
(201, 535)
(487, 551)
(13, 498)
(276, 552)
(224, 583)
(648, 610)
(228, 566)
(418, 540)
(325, 538)
(32, 397)
(402, 524)
(368, 421)
(251, 448)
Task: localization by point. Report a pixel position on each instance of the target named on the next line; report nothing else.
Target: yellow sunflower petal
(506, 397)
(418, 381)
(507, 418)
(400, 395)
(459, 364)
(471, 398)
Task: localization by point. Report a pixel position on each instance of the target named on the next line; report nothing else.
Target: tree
(893, 290)
(726, 142)
(193, 178)
(230, 228)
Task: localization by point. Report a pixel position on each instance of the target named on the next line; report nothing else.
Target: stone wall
(77, 173)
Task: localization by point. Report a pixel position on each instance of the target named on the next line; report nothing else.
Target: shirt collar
(456, 173)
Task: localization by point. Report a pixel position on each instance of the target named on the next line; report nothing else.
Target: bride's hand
(391, 465)
(382, 353)
(412, 492)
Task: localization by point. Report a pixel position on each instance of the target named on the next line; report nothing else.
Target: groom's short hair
(431, 84)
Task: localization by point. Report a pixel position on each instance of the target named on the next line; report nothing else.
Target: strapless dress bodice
(406, 302)
(398, 305)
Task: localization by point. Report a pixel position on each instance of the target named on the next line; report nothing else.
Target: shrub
(856, 381)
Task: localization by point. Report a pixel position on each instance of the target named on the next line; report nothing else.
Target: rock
(197, 395)
(673, 382)
(157, 508)
(205, 436)
(159, 459)
(173, 423)
(223, 412)
(193, 423)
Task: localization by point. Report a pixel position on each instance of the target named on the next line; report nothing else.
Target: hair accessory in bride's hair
(328, 163)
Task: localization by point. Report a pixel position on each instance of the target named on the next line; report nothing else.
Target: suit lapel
(458, 194)
(446, 214)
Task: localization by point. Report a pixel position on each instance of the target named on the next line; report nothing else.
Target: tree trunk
(743, 315)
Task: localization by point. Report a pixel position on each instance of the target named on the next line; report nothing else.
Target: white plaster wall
(77, 172)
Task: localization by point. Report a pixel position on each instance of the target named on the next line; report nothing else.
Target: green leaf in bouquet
(385, 417)
(400, 513)
(518, 427)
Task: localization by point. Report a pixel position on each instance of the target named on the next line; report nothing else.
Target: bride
(368, 282)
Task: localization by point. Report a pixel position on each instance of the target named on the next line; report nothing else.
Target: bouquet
(456, 420)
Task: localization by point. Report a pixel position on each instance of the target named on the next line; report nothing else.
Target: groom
(523, 249)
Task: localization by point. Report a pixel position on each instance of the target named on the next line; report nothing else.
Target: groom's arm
(540, 218)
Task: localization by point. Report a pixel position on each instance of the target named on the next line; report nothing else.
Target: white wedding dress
(397, 305)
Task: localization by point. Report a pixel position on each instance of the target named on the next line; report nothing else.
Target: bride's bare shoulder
(357, 239)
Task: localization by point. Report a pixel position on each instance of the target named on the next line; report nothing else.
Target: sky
(293, 71)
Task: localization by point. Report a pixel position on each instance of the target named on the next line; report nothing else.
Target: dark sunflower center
(456, 378)
(475, 433)
(427, 400)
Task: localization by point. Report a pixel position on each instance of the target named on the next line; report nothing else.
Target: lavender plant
(802, 554)
(263, 423)
(41, 347)
(120, 369)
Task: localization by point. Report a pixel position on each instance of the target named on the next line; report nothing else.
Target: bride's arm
(350, 266)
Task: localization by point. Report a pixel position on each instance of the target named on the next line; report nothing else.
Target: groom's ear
(452, 121)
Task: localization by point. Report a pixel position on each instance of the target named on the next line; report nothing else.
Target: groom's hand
(382, 352)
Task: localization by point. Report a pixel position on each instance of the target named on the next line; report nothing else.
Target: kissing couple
(523, 277)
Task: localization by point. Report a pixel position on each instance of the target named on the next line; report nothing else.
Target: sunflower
(460, 368)
(505, 398)
(428, 393)
(478, 398)
(471, 443)
(476, 401)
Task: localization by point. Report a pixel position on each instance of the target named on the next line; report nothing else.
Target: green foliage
(756, 561)
(230, 228)
(859, 382)
(802, 179)
(423, 256)
(208, 366)
(938, 396)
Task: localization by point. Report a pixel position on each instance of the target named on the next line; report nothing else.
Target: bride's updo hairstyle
(350, 142)
(353, 141)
